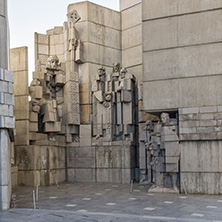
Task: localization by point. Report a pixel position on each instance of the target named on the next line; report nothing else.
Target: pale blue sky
(29, 16)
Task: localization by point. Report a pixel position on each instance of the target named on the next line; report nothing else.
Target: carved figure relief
(113, 104)
(162, 153)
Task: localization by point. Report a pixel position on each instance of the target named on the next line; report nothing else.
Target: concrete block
(19, 59)
(22, 132)
(20, 86)
(201, 183)
(131, 17)
(9, 99)
(183, 62)
(103, 16)
(187, 137)
(124, 4)
(132, 56)
(100, 54)
(84, 175)
(208, 109)
(155, 9)
(103, 35)
(163, 32)
(132, 37)
(183, 93)
(190, 110)
(3, 86)
(9, 76)
(21, 108)
(205, 130)
(9, 122)
(208, 136)
(208, 122)
(108, 175)
(4, 110)
(188, 124)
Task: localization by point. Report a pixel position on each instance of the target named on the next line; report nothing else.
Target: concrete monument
(161, 143)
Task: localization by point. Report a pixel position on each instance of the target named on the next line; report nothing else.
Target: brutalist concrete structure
(6, 110)
(90, 121)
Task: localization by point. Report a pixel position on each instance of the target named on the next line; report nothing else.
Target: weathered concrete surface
(180, 47)
(4, 37)
(201, 168)
(40, 165)
(6, 109)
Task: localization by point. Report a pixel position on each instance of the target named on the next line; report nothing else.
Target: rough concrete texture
(40, 165)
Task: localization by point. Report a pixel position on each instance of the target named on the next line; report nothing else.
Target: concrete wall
(181, 42)
(182, 72)
(112, 163)
(19, 65)
(131, 42)
(99, 30)
(4, 37)
(6, 110)
(201, 169)
(40, 165)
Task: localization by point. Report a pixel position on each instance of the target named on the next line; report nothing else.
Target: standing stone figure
(51, 112)
(162, 153)
(125, 105)
(113, 104)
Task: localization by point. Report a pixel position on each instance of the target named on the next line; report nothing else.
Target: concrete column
(3, 35)
(5, 170)
(6, 110)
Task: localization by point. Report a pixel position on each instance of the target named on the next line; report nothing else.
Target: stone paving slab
(112, 202)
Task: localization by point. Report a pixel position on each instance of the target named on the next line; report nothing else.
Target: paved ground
(110, 202)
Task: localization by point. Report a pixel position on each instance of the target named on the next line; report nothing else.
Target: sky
(29, 16)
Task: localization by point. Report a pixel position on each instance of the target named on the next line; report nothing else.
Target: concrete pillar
(6, 110)
(4, 38)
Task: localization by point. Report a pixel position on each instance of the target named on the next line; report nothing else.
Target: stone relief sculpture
(113, 104)
(163, 153)
(48, 112)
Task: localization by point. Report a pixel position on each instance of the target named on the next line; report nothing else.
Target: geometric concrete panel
(182, 30)
(132, 56)
(19, 59)
(187, 92)
(200, 28)
(203, 157)
(21, 108)
(92, 12)
(132, 37)
(103, 35)
(124, 4)
(22, 132)
(201, 183)
(164, 8)
(160, 95)
(183, 62)
(3, 42)
(20, 86)
(158, 8)
(131, 17)
(161, 33)
(100, 55)
(103, 16)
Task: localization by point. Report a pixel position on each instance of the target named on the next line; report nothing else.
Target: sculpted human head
(116, 67)
(53, 62)
(165, 118)
(123, 72)
(101, 71)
